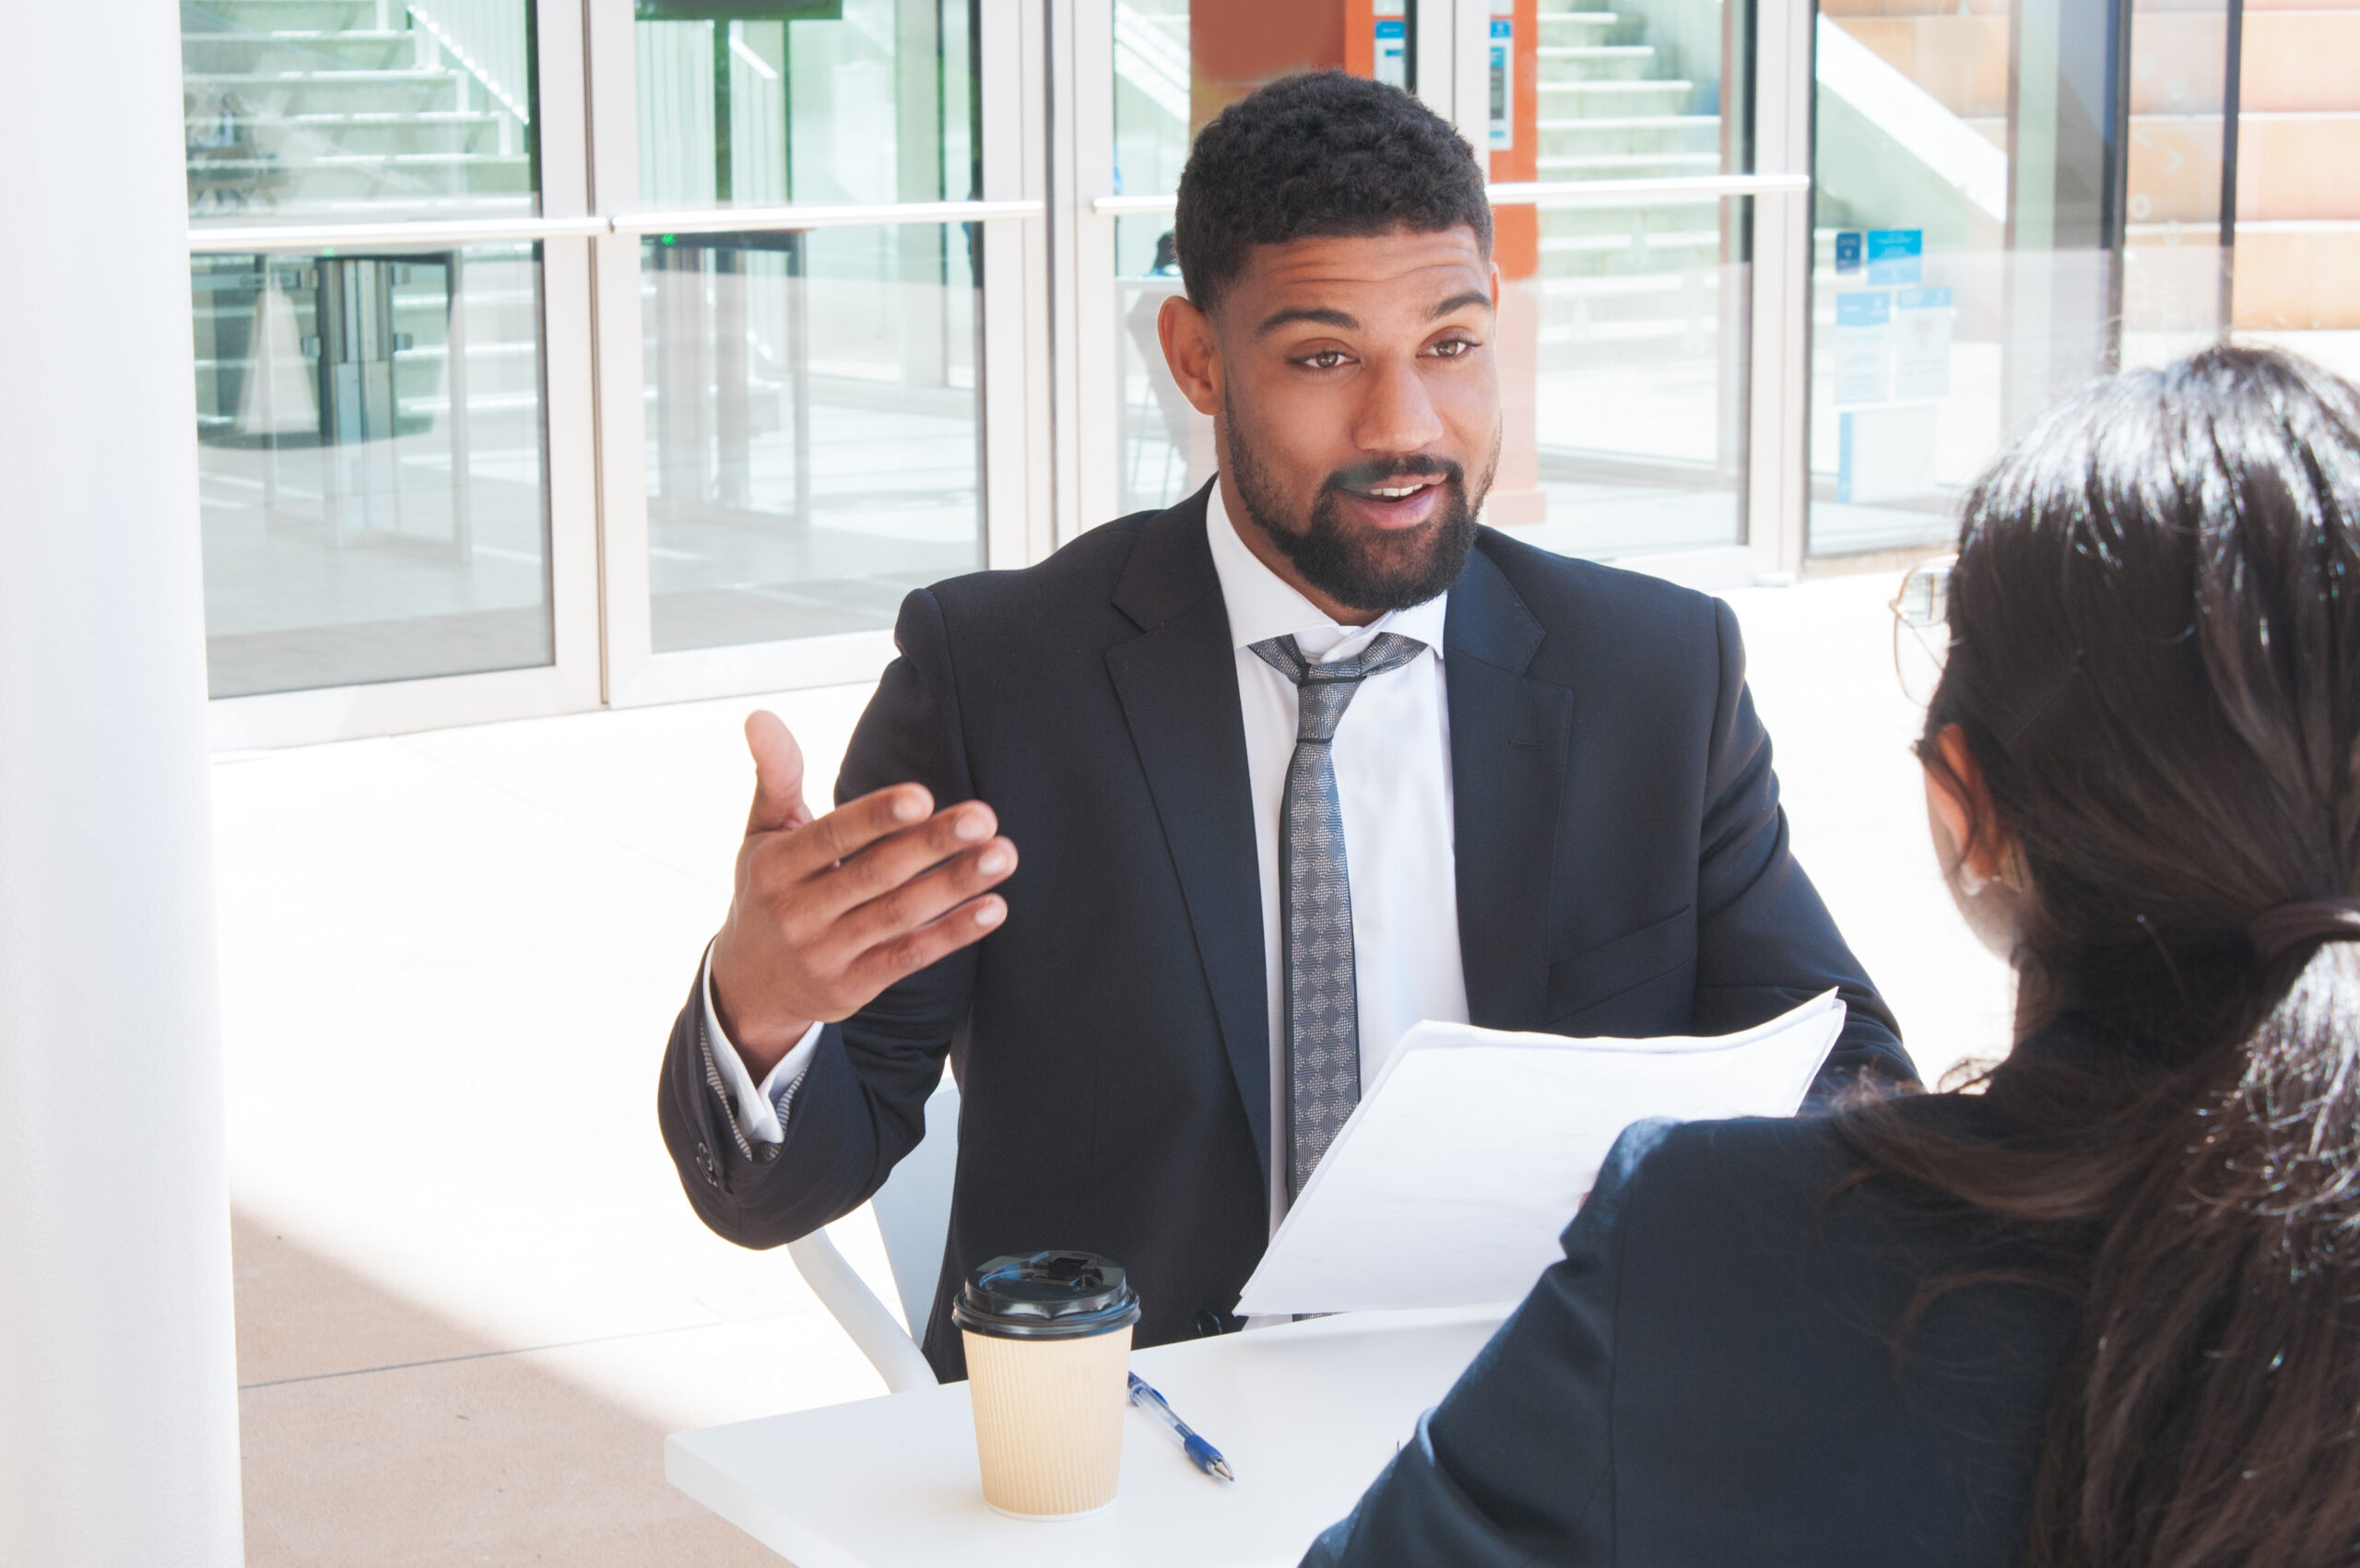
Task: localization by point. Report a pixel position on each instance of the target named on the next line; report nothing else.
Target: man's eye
(1325, 359)
(1452, 348)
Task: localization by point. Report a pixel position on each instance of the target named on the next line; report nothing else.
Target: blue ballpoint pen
(1205, 1456)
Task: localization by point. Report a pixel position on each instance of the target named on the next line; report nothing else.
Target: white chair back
(913, 1211)
(913, 1207)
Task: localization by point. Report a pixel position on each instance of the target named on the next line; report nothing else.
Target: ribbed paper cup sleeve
(1049, 1420)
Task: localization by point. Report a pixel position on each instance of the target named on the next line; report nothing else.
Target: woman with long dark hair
(2106, 1313)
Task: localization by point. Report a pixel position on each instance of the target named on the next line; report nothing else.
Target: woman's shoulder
(1766, 1161)
(1789, 1216)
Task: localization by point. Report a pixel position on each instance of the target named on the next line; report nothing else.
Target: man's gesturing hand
(828, 912)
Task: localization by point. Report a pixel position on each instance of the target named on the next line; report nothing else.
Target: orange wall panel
(1238, 45)
(1517, 229)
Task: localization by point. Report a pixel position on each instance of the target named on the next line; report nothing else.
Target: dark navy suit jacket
(1622, 869)
(1714, 1376)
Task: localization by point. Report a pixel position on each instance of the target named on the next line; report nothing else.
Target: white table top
(1306, 1414)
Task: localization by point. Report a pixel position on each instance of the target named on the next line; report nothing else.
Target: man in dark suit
(1557, 800)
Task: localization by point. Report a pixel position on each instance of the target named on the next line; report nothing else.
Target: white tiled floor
(471, 1296)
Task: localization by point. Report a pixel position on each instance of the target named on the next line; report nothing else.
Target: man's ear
(1961, 797)
(1186, 335)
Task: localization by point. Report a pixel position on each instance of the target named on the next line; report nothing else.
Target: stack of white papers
(1455, 1176)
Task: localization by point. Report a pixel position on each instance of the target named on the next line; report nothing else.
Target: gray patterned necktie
(1323, 1021)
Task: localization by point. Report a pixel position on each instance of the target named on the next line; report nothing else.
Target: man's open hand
(829, 911)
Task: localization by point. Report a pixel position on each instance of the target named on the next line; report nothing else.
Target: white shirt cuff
(758, 1114)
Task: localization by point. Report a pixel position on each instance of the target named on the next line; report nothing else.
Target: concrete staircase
(2298, 205)
(1631, 283)
(342, 110)
(2298, 144)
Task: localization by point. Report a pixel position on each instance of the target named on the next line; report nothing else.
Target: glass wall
(2014, 197)
(1623, 326)
(1177, 64)
(1622, 330)
(2295, 139)
(814, 423)
(2008, 196)
(333, 111)
(371, 449)
(1166, 446)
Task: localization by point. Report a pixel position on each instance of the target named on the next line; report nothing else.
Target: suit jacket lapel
(1178, 682)
(1509, 739)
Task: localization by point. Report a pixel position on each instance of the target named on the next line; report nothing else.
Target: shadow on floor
(376, 1434)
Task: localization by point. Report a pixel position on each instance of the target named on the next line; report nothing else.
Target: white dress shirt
(1392, 762)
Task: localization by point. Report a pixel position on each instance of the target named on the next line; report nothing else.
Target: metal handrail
(1125, 206)
(425, 231)
(745, 219)
(1603, 193)
(1614, 193)
(494, 231)
(730, 219)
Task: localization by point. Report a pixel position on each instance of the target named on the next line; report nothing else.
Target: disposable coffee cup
(1048, 1340)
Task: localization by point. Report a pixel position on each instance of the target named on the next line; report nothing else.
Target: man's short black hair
(1319, 154)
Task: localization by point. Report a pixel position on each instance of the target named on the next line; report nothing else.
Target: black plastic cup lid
(1046, 1295)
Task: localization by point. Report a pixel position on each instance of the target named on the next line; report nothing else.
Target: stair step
(1607, 244)
(422, 353)
(228, 51)
(1633, 123)
(1627, 331)
(1576, 26)
(421, 74)
(1628, 165)
(404, 205)
(373, 134)
(1609, 90)
(1625, 286)
(1611, 97)
(1595, 63)
(376, 160)
(300, 36)
(265, 15)
(329, 120)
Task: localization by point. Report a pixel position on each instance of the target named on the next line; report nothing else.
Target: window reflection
(806, 101)
(1621, 331)
(347, 110)
(814, 435)
(370, 465)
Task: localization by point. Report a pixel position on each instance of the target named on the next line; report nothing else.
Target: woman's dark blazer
(1712, 1376)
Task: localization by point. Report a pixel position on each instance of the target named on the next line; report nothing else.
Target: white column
(118, 1402)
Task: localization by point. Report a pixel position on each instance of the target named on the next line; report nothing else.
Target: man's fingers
(778, 775)
(836, 888)
(922, 900)
(848, 830)
(882, 965)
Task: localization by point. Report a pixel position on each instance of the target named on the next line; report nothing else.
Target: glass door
(370, 270)
(1149, 74)
(1619, 147)
(2014, 197)
(803, 240)
(2294, 142)
(1620, 144)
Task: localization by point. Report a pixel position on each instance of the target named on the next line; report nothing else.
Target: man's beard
(1364, 568)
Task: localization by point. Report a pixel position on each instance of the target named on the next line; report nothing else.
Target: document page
(1452, 1180)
